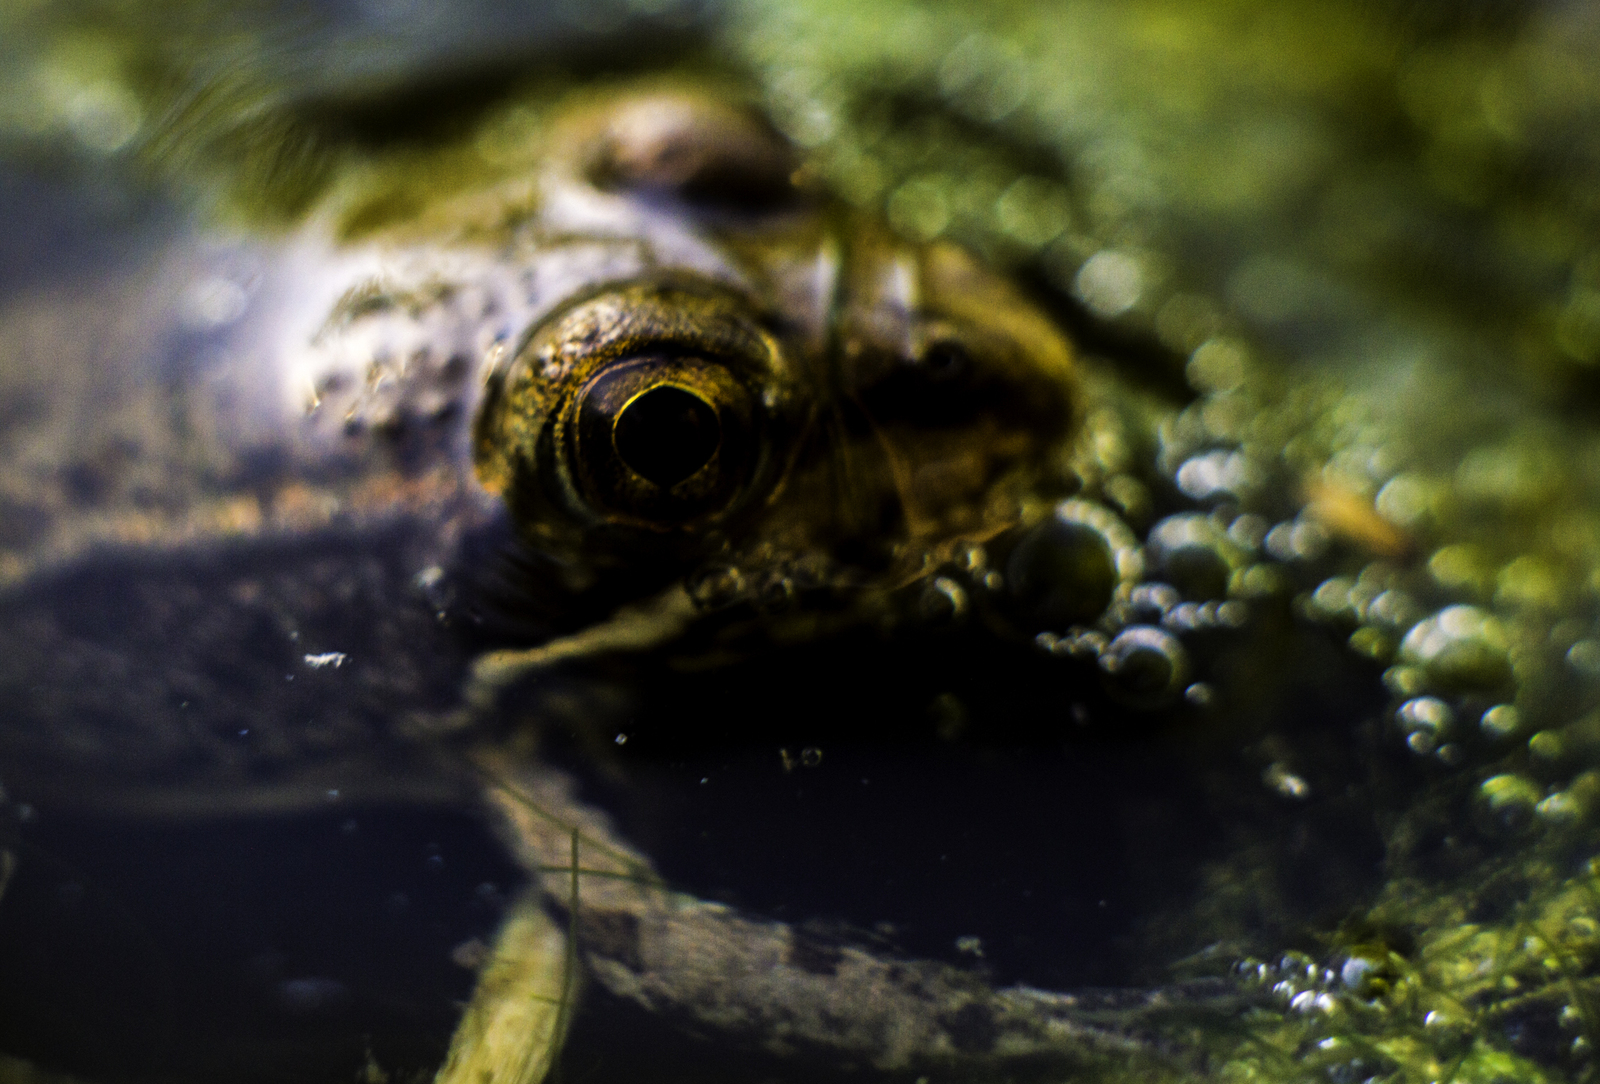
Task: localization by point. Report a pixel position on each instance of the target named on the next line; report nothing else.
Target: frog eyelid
(695, 150)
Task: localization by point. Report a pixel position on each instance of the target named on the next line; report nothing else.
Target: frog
(357, 491)
(1161, 559)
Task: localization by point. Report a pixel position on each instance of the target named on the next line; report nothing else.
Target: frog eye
(660, 439)
(945, 360)
(643, 412)
(698, 149)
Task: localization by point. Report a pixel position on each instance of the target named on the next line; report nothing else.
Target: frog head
(750, 389)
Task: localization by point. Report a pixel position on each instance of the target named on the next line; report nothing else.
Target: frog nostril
(666, 434)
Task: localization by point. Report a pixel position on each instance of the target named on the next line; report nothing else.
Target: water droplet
(1331, 600)
(1404, 680)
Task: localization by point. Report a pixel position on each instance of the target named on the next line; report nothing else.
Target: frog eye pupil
(945, 360)
(666, 435)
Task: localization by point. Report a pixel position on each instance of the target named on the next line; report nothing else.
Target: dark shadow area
(281, 949)
(956, 798)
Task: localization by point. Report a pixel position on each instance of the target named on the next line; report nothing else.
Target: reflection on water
(1222, 706)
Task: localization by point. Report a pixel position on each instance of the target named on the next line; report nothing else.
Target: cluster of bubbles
(1303, 502)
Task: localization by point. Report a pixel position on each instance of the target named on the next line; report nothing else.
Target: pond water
(1220, 703)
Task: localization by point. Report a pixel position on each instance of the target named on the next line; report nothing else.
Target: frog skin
(437, 395)
(261, 512)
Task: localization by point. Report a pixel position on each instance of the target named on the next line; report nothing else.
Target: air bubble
(1425, 713)
(1110, 283)
(1219, 474)
(1560, 808)
(1148, 603)
(1404, 680)
(1371, 643)
(1505, 805)
(1421, 742)
(1249, 530)
(1217, 365)
(1257, 582)
(1061, 574)
(1065, 570)
(1405, 500)
(1531, 583)
(1184, 617)
(1331, 600)
(1280, 779)
(1394, 609)
(1232, 614)
(1546, 745)
(1584, 657)
(1195, 555)
(1500, 721)
(943, 600)
(1297, 540)
(1460, 647)
(1145, 667)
